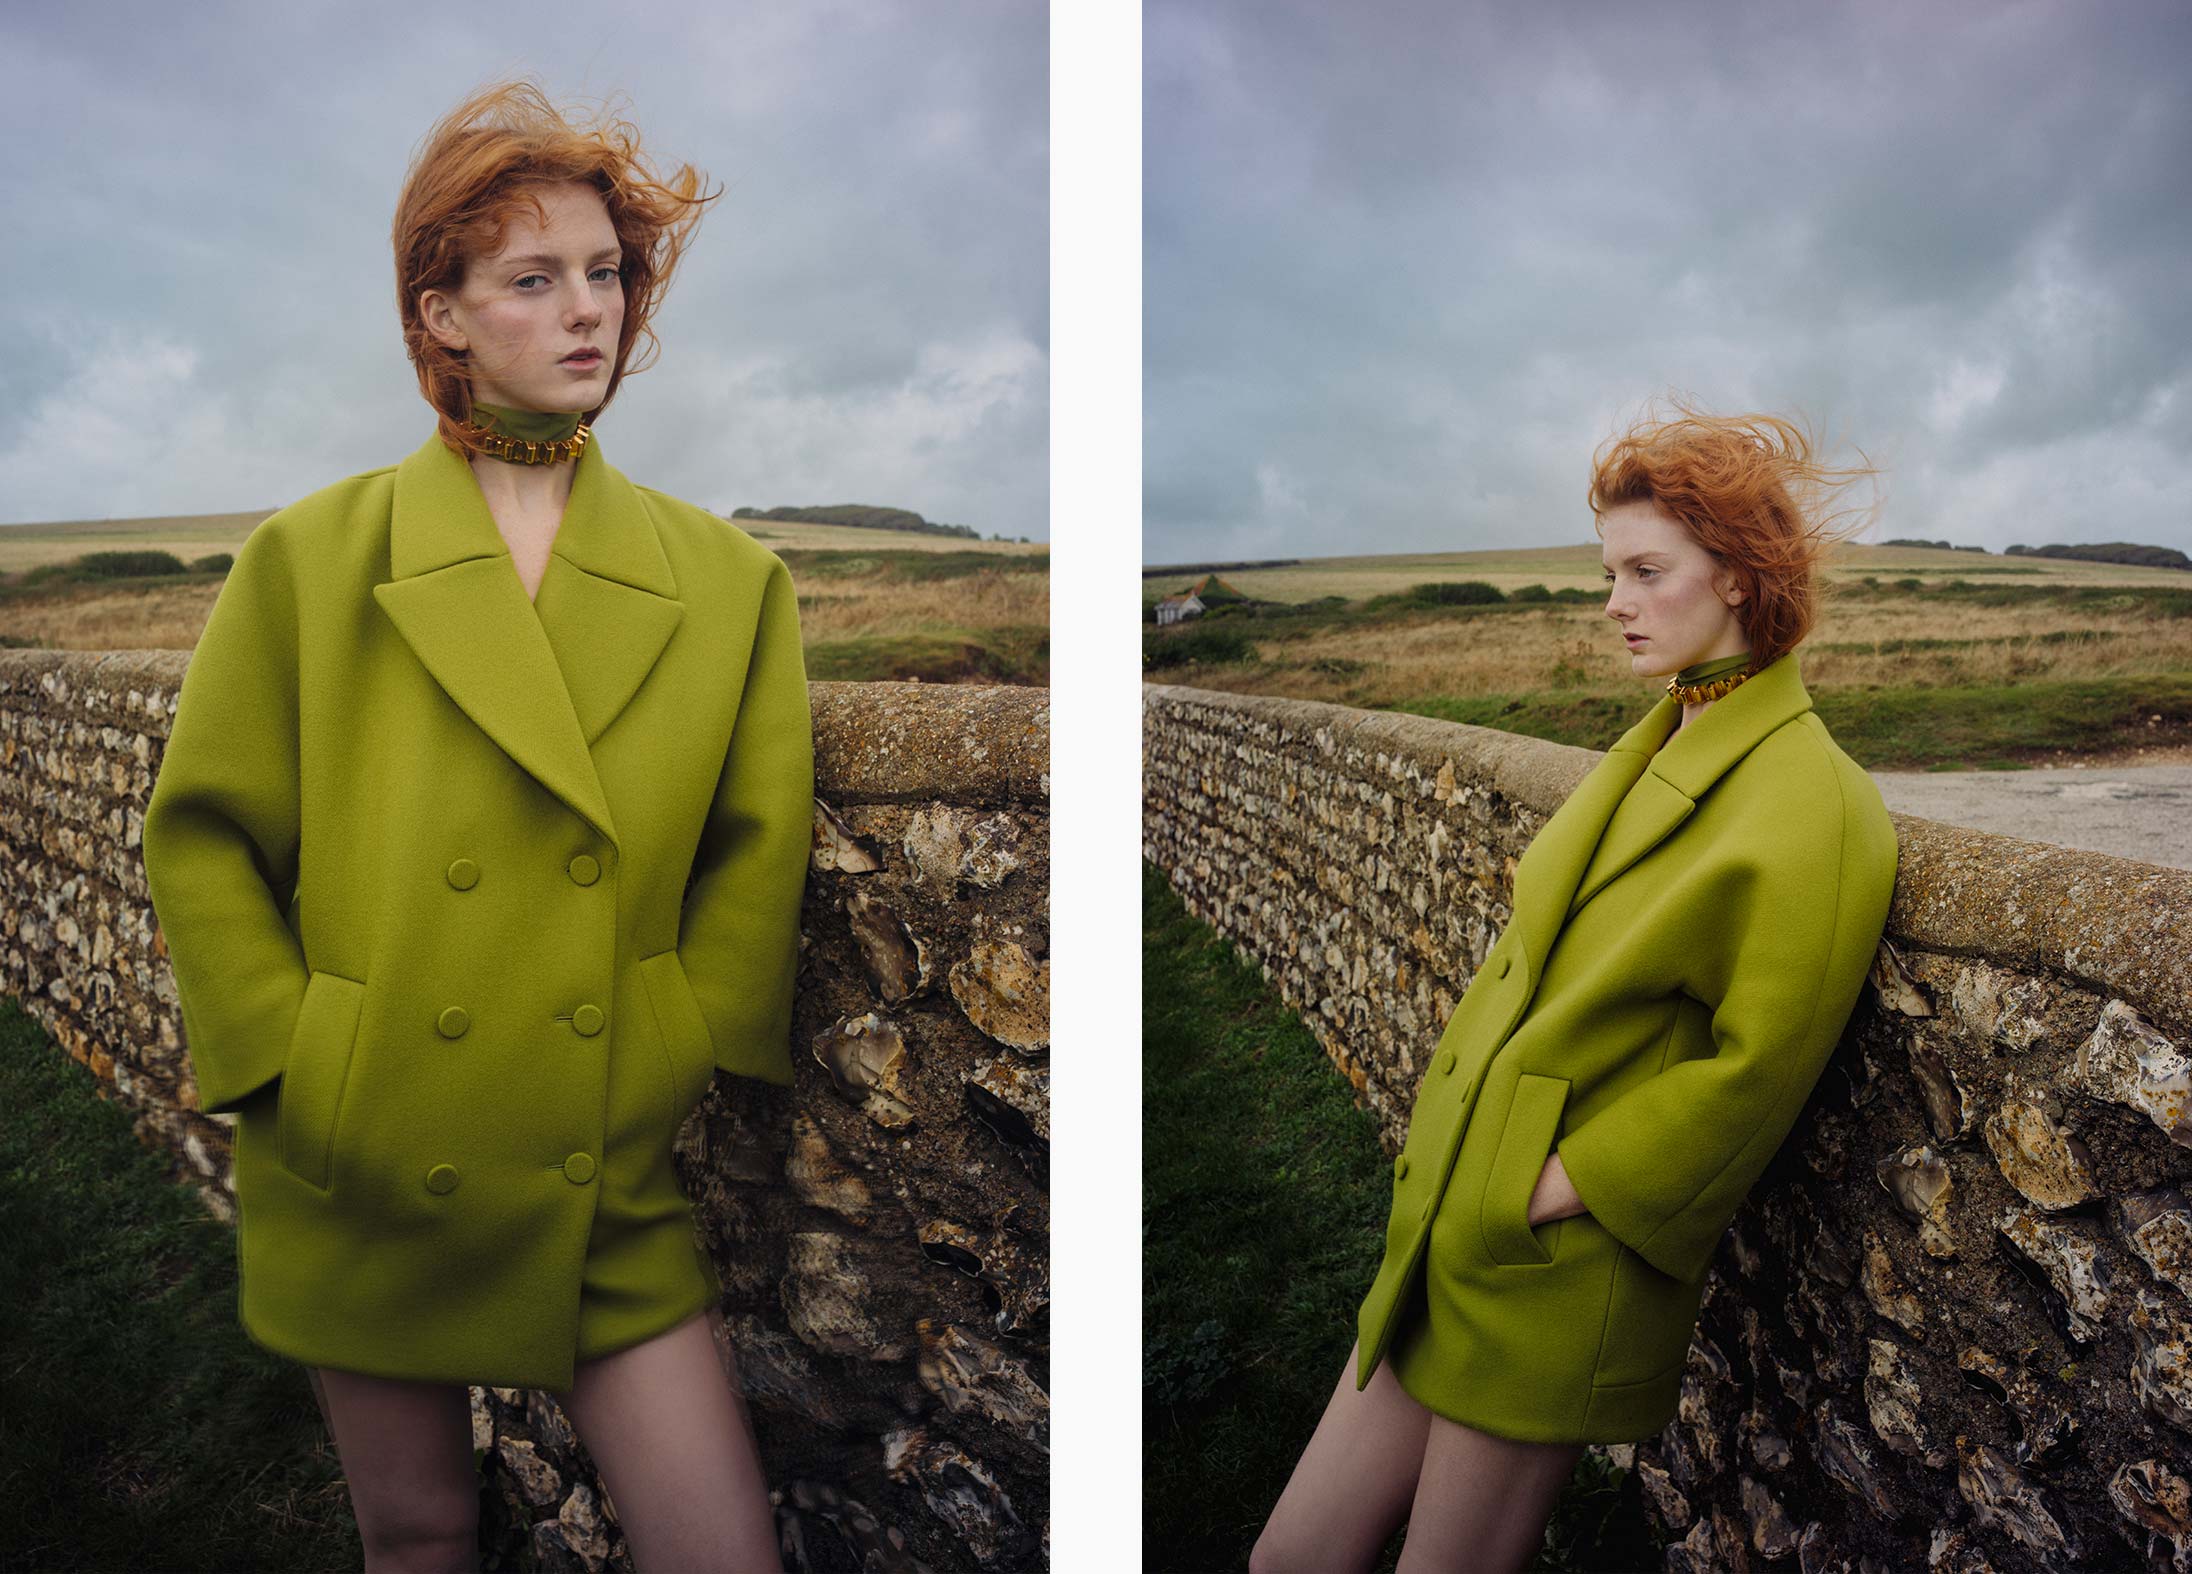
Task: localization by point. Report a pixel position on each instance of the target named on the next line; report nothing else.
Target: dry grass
(1507, 652)
(850, 608)
(86, 617)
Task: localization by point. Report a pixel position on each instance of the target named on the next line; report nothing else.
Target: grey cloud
(209, 322)
(1425, 257)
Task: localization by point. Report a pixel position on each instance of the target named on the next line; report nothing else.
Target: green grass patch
(2004, 726)
(1907, 647)
(2156, 601)
(1264, 1195)
(144, 1430)
(139, 571)
(1223, 644)
(909, 567)
(1015, 654)
(2000, 724)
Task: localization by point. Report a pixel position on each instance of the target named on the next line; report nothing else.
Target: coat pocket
(1525, 1141)
(1651, 1318)
(681, 1028)
(315, 1072)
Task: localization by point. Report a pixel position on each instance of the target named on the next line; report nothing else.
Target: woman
(1688, 937)
(478, 846)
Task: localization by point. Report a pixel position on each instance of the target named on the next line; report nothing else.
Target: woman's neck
(1704, 672)
(525, 488)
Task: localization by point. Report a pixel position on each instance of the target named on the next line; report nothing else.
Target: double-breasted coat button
(1400, 1168)
(453, 1022)
(463, 874)
(584, 870)
(442, 1177)
(1505, 963)
(587, 1019)
(1445, 1063)
(578, 1169)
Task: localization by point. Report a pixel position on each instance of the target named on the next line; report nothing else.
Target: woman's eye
(609, 268)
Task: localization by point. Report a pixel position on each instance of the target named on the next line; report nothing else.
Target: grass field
(1264, 1194)
(872, 603)
(1926, 669)
(1359, 577)
(144, 1429)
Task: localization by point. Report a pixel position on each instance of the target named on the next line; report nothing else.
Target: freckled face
(1668, 595)
(549, 290)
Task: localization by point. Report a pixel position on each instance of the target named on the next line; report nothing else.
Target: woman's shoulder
(705, 532)
(1806, 785)
(299, 532)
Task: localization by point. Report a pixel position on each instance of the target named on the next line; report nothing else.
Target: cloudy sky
(1408, 263)
(202, 316)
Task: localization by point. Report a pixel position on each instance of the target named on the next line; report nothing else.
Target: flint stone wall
(1949, 1329)
(882, 1227)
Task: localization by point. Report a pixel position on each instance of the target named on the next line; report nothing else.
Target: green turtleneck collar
(527, 426)
(1719, 667)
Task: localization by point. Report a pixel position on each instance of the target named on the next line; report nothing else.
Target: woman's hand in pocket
(1554, 1197)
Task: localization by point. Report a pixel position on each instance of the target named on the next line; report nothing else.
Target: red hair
(1746, 487)
(480, 166)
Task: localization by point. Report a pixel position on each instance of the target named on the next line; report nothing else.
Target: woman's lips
(583, 362)
(1634, 639)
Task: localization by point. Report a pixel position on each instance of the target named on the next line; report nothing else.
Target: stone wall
(1949, 1329)
(882, 1227)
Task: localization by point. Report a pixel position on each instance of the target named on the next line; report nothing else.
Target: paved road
(2132, 811)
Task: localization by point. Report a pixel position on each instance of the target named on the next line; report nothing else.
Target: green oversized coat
(1688, 936)
(420, 847)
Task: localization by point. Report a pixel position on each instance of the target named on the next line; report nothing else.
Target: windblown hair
(477, 168)
(1748, 488)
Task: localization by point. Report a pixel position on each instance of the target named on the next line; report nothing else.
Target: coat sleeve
(1665, 1166)
(738, 940)
(221, 830)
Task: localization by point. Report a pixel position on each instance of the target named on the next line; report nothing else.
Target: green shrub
(1209, 646)
(213, 563)
(128, 565)
(1530, 593)
(1463, 593)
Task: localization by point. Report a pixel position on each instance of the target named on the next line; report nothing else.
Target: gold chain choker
(1696, 693)
(519, 451)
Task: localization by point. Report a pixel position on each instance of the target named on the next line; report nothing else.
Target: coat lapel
(542, 679)
(1644, 787)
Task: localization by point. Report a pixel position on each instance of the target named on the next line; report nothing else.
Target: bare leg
(668, 1430)
(406, 1451)
(1350, 1488)
(1482, 1501)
